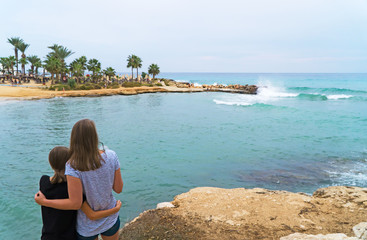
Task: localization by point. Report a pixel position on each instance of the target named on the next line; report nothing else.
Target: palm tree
(95, 67)
(110, 72)
(154, 70)
(5, 64)
(15, 41)
(131, 63)
(33, 59)
(137, 64)
(24, 62)
(143, 75)
(80, 64)
(37, 65)
(53, 65)
(12, 61)
(22, 47)
(76, 70)
(83, 61)
(61, 53)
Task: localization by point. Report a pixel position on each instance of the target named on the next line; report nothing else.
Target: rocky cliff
(214, 213)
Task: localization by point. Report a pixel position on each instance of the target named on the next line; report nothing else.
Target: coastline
(35, 92)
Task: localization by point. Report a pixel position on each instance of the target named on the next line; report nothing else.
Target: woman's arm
(117, 182)
(95, 215)
(74, 202)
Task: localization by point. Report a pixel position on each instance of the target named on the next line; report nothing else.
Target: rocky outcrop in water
(214, 213)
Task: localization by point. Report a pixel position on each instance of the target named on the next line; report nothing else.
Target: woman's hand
(118, 206)
(39, 198)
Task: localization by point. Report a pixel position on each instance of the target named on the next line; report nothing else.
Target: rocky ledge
(214, 213)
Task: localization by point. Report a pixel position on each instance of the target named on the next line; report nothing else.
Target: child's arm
(95, 215)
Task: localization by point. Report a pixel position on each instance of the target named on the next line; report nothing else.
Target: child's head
(84, 153)
(58, 158)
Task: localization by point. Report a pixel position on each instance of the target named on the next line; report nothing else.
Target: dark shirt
(57, 224)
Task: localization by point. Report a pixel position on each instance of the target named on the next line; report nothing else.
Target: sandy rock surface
(214, 213)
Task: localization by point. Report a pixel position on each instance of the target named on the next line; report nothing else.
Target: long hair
(58, 157)
(84, 153)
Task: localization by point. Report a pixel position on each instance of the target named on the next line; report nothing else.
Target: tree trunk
(137, 74)
(23, 65)
(16, 57)
(132, 73)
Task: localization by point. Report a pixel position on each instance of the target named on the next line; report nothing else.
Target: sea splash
(268, 93)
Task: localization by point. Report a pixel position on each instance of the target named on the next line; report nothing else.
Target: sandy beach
(33, 92)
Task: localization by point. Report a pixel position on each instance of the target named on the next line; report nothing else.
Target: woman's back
(97, 187)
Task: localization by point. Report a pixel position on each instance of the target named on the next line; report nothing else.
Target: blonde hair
(84, 153)
(58, 157)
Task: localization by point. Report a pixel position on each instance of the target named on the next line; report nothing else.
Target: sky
(298, 36)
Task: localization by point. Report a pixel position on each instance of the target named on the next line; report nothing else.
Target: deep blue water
(301, 132)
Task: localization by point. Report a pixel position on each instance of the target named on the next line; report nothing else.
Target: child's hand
(39, 198)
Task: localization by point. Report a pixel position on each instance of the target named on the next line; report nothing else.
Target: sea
(300, 132)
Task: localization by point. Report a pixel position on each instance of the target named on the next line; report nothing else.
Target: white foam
(6, 101)
(349, 178)
(197, 85)
(338, 96)
(266, 94)
(231, 103)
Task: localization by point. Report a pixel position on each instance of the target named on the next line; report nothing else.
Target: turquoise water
(301, 132)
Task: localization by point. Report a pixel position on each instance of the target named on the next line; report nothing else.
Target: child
(61, 224)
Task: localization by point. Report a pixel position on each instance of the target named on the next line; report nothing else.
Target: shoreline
(37, 92)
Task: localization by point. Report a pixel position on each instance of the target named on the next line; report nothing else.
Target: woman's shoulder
(109, 154)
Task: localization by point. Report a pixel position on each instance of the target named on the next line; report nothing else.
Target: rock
(360, 230)
(165, 205)
(220, 214)
(302, 236)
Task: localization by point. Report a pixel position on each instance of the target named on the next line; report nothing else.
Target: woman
(97, 174)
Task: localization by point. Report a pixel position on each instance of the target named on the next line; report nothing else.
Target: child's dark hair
(58, 157)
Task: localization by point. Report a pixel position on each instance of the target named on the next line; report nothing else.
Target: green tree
(110, 72)
(76, 70)
(95, 67)
(37, 65)
(83, 61)
(33, 59)
(61, 53)
(154, 70)
(131, 63)
(53, 65)
(24, 62)
(6, 65)
(137, 64)
(15, 41)
(22, 47)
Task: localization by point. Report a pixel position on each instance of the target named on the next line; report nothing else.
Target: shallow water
(301, 132)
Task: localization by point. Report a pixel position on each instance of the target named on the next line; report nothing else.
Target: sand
(38, 92)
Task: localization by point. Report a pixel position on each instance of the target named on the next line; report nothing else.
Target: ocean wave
(328, 90)
(312, 97)
(220, 102)
(351, 177)
(323, 97)
(348, 171)
(339, 96)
